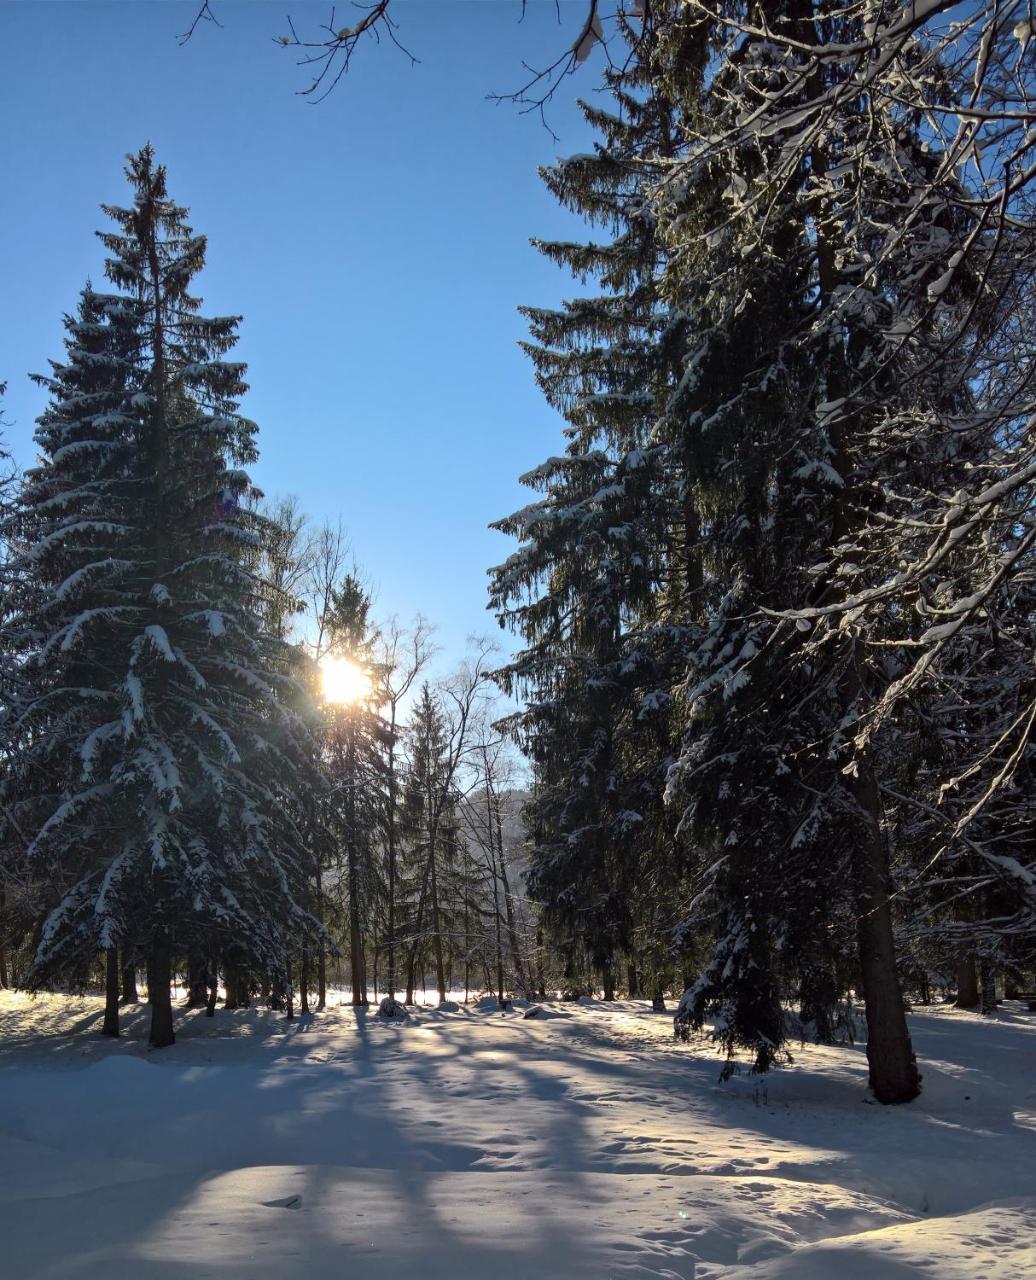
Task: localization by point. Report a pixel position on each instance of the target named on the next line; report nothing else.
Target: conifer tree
(356, 766)
(158, 740)
(601, 546)
(430, 822)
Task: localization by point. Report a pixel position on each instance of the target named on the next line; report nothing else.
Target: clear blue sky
(376, 245)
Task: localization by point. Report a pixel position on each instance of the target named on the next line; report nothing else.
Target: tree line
(776, 593)
(185, 791)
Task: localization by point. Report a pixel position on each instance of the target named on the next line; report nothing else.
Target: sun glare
(343, 681)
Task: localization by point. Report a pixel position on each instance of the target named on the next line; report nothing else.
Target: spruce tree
(356, 767)
(600, 547)
(159, 743)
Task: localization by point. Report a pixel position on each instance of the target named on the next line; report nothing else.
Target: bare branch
(204, 14)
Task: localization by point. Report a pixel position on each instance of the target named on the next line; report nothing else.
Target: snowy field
(470, 1144)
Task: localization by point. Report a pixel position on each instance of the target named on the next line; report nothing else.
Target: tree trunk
(212, 979)
(419, 924)
(197, 987)
(658, 1002)
(987, 977)
(608, 981)
(159, 976)
(893, 1069)
(231, 983)
(517, 961)
(391, 833)
(130, 995)
(440, 968)
(967, 982)
(111, 993)
(357, 964)
(632, 983)
(277, 995)
(304, 979)
(894, 1076)
(3, 950)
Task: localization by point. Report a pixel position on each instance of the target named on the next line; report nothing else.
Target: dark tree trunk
(111, 993)
(440, 967)
(212, 978)
(987, 976)
(632, 982)
(232, 985)
(967, 982)
(357, 965)
(658, 1002)
(608, 982)
(277, 994)
(3, 949)
(130, 995)
(391, 810)
(894, 1076)
(159, 978)
(304, 979)
(517, 960)
(197, 988)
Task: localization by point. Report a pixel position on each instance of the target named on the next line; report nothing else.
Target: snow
(481, 1143)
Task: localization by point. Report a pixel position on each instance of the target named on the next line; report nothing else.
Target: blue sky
(376, 245)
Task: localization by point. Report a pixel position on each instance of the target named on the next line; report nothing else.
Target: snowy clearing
(481, 1144)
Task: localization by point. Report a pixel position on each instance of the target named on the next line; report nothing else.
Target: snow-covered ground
(475, 1144)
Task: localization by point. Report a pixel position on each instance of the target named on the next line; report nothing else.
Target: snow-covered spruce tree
(928, 213)
(14, 902)
(605, 540)
(158, 747)
(429, 825)
(746, 264)
(757, 816)
(822, 121)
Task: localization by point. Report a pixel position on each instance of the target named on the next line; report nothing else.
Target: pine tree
(158, 740)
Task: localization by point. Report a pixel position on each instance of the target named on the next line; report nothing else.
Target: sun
(343, 682)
